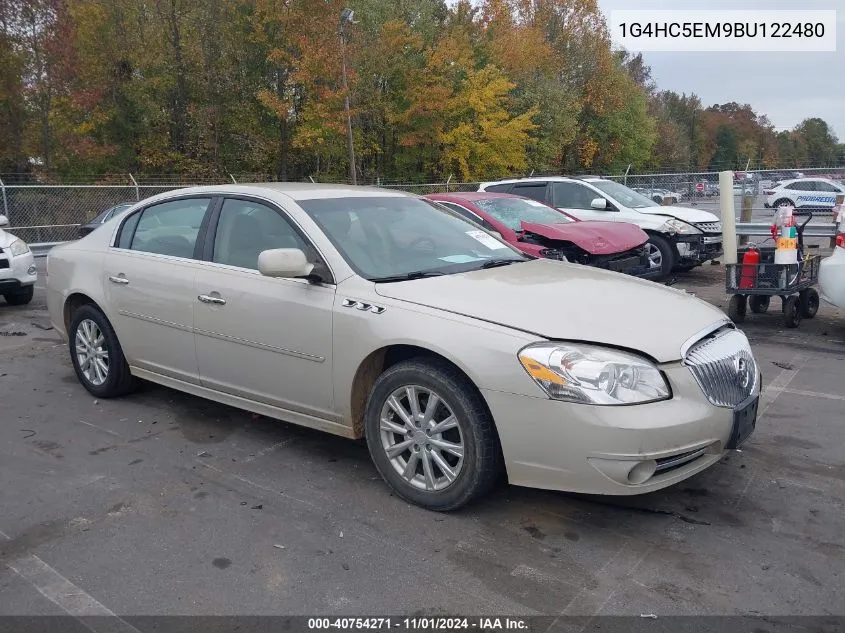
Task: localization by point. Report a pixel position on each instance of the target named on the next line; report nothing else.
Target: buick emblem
(743, 372)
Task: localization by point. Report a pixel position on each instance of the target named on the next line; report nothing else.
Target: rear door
(149, 285)
(532, 189)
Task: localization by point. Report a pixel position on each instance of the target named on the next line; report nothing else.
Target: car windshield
(625, 196)
(386, 237)
(512, 212)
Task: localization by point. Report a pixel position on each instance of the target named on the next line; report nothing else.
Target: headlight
(18, 247)
(676, 226)
(587, 374)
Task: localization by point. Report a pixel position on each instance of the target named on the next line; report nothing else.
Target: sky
(787, 87)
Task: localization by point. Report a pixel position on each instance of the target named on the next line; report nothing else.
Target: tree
(819, 141)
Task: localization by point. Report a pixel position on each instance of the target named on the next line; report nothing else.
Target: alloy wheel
(422, 438)
(655, 257)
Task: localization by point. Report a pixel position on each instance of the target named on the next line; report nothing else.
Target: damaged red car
(542, 231)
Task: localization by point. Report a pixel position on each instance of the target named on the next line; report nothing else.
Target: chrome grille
(709, 227)
(724, 367)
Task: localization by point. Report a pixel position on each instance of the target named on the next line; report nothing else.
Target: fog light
(642, 472)
(32, 270)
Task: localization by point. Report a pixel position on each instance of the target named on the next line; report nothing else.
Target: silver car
(377, 314)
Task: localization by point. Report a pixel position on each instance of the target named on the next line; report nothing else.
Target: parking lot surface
(162, 503)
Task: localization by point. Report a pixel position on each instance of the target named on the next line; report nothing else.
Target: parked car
(457, 358)
(832, 270)
(542, 231)
(658, 195)
(103, 217)
(18, 272)
(805, 194)
(680, 238)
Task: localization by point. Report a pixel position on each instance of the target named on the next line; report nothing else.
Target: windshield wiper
(494, 263)
(418, 274)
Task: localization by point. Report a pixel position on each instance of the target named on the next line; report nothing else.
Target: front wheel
(661, 255)
(20, 298)
(809, 302)
(96, 354)
(792, 312)
(431, 436)
(737, 308)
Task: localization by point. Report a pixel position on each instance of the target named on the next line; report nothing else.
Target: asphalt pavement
(162, 503)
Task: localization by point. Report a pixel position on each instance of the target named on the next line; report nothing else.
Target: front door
(149, 283)
(261, 338)
(576, 199)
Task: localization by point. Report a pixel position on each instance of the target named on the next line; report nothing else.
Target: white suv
(804, 194)
(832, 270)
(680, 238)
(17, 268)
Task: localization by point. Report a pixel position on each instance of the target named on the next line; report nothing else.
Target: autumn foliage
(472, 90)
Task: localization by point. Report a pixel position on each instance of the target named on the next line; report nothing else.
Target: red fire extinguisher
(750, 260)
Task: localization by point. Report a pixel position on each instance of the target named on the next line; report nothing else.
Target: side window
(533, 190)
(826, 186)
(499, 188)
(246, 228)
(169, 228)
(801, 186)
(571, 195)
(469, 215)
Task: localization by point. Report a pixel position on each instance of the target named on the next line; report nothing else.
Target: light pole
(346, 18)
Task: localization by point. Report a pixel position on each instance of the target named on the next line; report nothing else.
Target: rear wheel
(737, 308)
(759, 304)
(96, 354)
(431, 436)
(21, 297)
(809, 302)
(792, 312)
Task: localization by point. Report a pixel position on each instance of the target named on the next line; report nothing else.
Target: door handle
(209, 299)
(118, 280)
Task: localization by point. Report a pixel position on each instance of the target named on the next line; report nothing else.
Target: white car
(377, 314)
(804, 194)
(680, 238)
(832, 271)
(18, 273)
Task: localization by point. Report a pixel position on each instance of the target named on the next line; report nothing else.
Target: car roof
(790, 181)
(508, 181)
(297, 190)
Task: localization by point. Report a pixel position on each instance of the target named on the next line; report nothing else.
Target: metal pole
(233, 179)
(5, 203)
(135, 182)
(349, 142)
(726, 202)
(625, 180)
(448, 180)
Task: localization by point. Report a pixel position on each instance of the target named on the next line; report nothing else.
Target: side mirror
(600, 204)
(284, 262)
(4, 221)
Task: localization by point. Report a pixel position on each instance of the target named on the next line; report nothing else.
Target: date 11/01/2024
(722, 29)
(419, 624)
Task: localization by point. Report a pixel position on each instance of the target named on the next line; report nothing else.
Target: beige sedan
(376, 314)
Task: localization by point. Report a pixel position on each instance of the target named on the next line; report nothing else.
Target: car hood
(597, 238)
(558, 300)
(692, 216)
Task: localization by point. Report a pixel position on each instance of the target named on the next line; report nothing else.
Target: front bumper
(17, 272)
(591, 449)
(697, 249)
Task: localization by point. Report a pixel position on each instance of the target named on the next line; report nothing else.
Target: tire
(792, 312)
(737, 308)
(759, 304)
(481, 463)
(660, 253)
(20, 298)
(118, 381)
(808, 301)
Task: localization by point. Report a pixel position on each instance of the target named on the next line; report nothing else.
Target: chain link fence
(44, 213)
